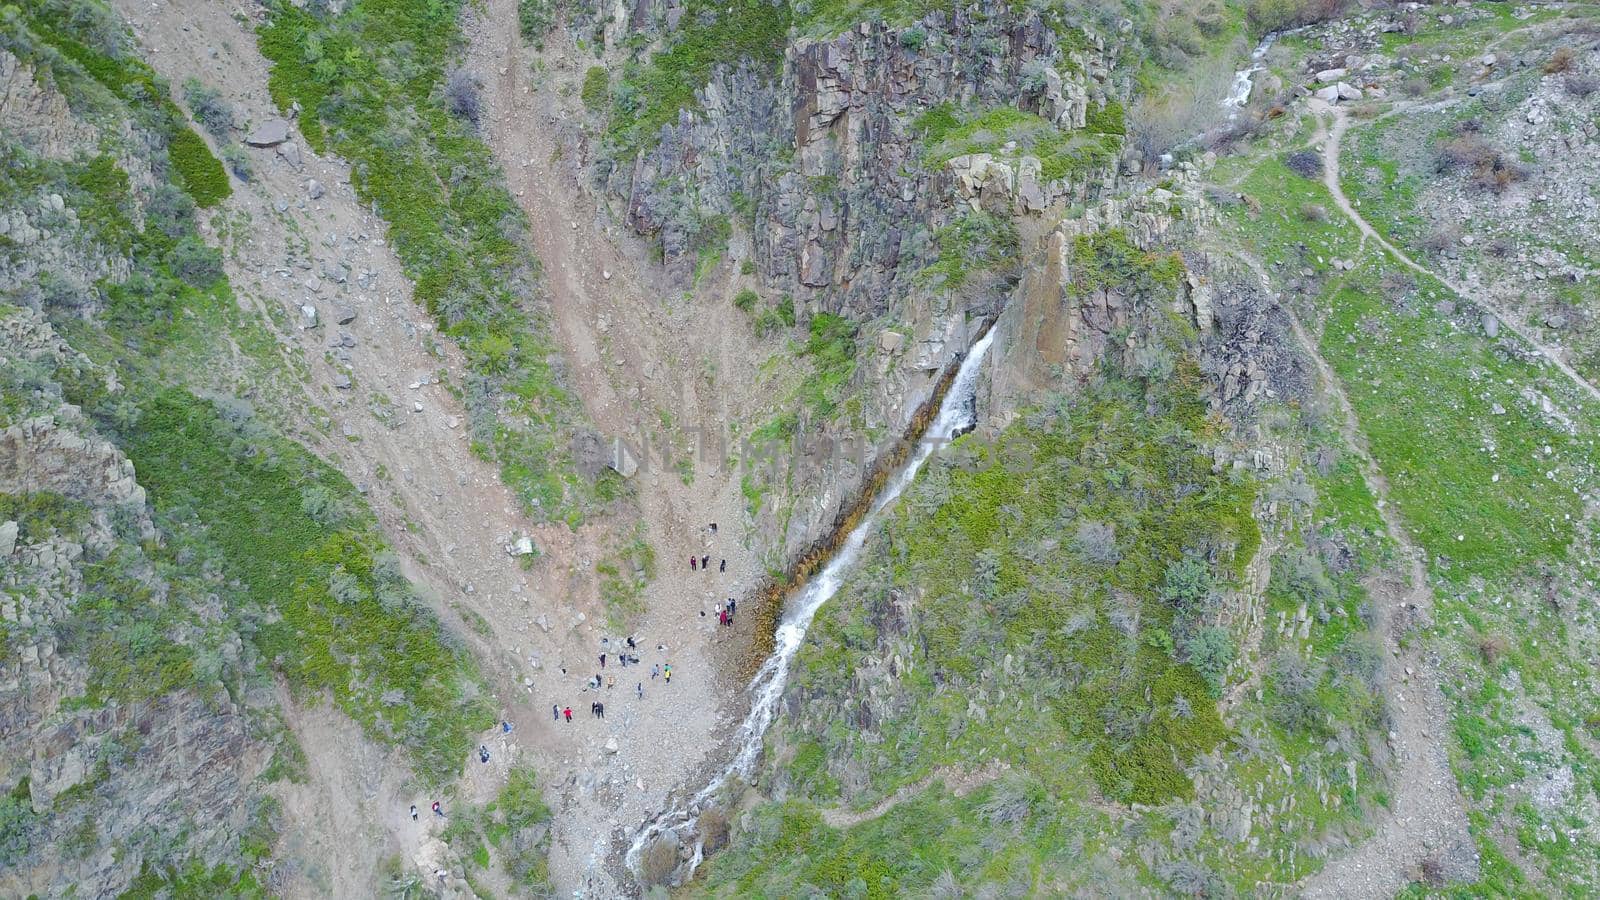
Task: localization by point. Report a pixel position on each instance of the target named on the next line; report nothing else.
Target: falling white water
(956, 414)
(1244, 79)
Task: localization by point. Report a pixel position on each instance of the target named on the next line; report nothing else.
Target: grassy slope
(1496, 498)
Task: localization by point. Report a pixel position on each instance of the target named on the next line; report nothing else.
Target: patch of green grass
(976, 241)
(831, 349)
(624, 574)
(947, 131)
(596, 87)
(199, 172)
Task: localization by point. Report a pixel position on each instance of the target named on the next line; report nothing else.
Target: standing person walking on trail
(600, 710)
(655, 671)
(668, 672)
(638, 687)
(705, 563)
(722, 566)
(436, 810)
(692, 563)
(555, 712)
(413, 812)
(602, 660)
(568, 713)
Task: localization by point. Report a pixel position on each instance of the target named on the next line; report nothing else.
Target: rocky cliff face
(99, 788)
(843, 206)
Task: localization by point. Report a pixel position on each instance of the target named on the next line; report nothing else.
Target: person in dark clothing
(722, 566)
(413, 812)
(483, 753)
(713, 528)
(733, 606)
(600, 710)
(602, 660)
(705, 563)
(632, 645)
(555, 712)
(638, 687)
(692, 563)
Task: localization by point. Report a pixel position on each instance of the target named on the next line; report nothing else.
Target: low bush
(1305, 163)
(1562, 60)
(208, 108)
(596, 88)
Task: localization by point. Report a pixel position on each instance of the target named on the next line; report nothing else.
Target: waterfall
(957, 415)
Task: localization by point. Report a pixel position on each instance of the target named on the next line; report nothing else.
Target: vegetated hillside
(175, 568)
(1044, 678)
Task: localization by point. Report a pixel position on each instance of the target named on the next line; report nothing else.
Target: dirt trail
(957, 781)
(1427, 815)
(1330, 177)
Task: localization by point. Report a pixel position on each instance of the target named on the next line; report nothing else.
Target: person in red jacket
(568, 713)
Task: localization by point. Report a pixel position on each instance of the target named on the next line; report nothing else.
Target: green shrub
(200, 173)
(596, 86)
(746, 300)
(1211, 650)
(534, 18)
(208, 108)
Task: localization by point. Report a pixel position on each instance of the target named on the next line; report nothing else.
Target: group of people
(703, 564)
(437, 810)
(726, 615)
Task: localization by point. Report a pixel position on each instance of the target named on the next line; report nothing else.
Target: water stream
(957, 414)
(1244, 79)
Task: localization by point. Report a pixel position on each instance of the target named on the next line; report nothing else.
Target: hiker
(505, 727)
(667, 671)
(655, 671)
(611, 682)
(631, 644)
(733, 606)
(568, 713)
(692, 562)
(602, 660)
(722, 566)
(639, 688)
(555, 712)
(722, 617)
(713, 528)
(483, 753)
(592, 705)
(413, 812)
(600, 710)
(705, 563)
(436, 810)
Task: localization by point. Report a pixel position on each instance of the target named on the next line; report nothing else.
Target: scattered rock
(270, 133)
(289, 151)
(344, 315)
(341, 381)
(309, 314)
(612, 746)
(1491, 325)
(8, 538)
(314, 189)
(891, 341)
